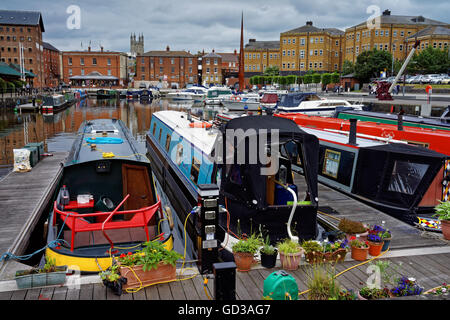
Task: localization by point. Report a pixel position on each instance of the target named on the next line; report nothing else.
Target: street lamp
(392, 49)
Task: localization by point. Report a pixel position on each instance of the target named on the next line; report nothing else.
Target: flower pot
(445, 228)
(243, 260)
(315, 257)
(137, 277)
(290, 261)
(115, 286)
(338, 255)
(269, 260)
(360, 297)
(386, 244)
(25, 281)
(359, 254)
(360, 236)
(375, 248)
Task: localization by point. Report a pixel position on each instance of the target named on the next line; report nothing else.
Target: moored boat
(183, 152)
(194, 93)
(311, 104)
(113, 209)
(242, 102)
(53, 103)
(216, 95)
(442, 123)
(106, 94)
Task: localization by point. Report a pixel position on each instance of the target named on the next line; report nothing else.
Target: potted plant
(268, 254)
(50, 274)
(244, 251)
(359, 249)
(321, 283)
(406, 287)
(443, 289)
(367, 293)
(353, 228)
(386, 236)
(375, 244)
(290, 254)
(345, 295)
(443, 214)
(335, 251)
(313, 251)
(154, 263)
(112, 279)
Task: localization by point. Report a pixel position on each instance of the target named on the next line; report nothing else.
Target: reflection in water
(58, 131)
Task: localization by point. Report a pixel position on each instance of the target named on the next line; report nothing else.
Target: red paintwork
(269, 98)
(437, 140)
(76, 222)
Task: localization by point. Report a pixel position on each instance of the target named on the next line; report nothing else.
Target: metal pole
(405, 64)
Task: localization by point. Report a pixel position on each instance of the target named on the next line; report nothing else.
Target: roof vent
(167, 48)
(309, 23)
(386, 12)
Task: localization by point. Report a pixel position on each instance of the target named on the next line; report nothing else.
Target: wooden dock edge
(8, 268)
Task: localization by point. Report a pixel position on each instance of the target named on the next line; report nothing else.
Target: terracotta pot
(315, 257)
(360, 236)
(243, 261)
(137, 277)
(290, 261)
(445, 227)
(359, 254)
(375, 248)
(360, 297)
(338, 255)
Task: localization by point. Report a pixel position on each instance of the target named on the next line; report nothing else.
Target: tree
(370, 63)
(348, 67)
(272, 71)
(430, 60)
(307, 78)
(335, 77)
(326, 79)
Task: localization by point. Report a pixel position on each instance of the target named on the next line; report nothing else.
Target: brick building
(258, 55)
(23, 29)
(95, 68)
(52, 65)
(176, 68)
(212, 69)
(394, 34)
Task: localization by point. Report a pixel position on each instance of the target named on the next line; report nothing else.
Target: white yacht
(195, 94)
(242, 102)
(216, 95)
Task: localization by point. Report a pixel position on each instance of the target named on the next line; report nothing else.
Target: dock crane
(384, 88)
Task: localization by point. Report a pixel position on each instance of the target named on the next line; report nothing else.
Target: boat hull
(240, 105)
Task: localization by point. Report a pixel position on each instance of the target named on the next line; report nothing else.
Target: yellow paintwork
(89, 264)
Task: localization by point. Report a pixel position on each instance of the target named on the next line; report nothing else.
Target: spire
(241, 57)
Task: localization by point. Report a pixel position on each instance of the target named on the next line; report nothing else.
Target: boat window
(331, 163)
(179, 154)
(406, 176)
(195, 169)
(168, 138)
(418, 143)
(160, 133)
(154, 128)
(312, 97)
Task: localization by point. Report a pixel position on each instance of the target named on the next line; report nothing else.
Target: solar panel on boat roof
(103, 128)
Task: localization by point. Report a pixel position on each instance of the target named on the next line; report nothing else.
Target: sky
(197, 25)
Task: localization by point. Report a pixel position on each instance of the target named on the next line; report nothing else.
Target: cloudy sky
(197, 25)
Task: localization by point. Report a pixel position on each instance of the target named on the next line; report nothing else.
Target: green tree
(348, 67)
(370, 63)
(430, 60)
(335, 77)
(307, 78)
(272, 71)
(326, 79)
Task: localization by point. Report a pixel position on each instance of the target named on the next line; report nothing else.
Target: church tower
(137, 47)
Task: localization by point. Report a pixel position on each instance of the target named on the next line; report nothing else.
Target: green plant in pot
(112, 279)
(49, 274)
(321, 282)
(313, 251)
(290, 254)
(353, 228)
(268, 254)
(443, 214)
(244, 251)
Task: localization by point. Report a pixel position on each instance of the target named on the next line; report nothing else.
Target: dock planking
(23, 199)
(404, 235)
(250, 285)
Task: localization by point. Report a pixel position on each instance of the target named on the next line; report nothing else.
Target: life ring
(202, 124)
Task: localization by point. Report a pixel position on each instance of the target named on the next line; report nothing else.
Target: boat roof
(118, 142)
(202, 138)
(417, 119)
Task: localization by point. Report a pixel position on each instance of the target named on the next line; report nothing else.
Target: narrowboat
(145, 94)
(133, 94)
(106, 94)
(106, 202)
(185, 153)
(442, 123)
(311, 104)
(403, 180)
(53, 103)
(437, 140)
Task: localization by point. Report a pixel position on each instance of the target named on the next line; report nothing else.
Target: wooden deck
(339, 206)
(23, 197)
(429, 270)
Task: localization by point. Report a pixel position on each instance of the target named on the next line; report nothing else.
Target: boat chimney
(400, 122)
(352, 133)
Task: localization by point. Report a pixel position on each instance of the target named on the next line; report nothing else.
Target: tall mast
(241, 57)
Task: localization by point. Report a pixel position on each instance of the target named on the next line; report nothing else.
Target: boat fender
(168, 213)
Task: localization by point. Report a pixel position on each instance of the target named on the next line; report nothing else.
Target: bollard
(224, 281)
